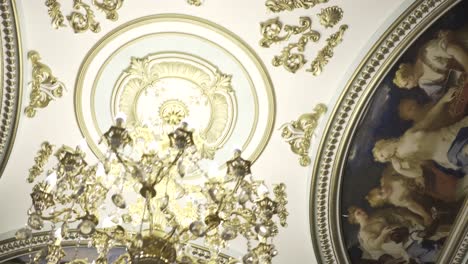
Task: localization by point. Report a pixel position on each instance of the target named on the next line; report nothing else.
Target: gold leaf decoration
(330, 16)
(40, 161)
(289, 5)
(326, 53)
(82, 18)
(81, 22)
(194, 2)
(55, 14)
(109, 7)
(299, 133)
(44, 85)
(291, 61)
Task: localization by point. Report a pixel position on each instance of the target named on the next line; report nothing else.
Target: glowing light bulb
(51, 181)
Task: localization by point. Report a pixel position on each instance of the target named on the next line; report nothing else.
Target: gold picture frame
(326, 214)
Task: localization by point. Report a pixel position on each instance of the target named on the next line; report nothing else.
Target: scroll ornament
(44, 85)
(299, 133)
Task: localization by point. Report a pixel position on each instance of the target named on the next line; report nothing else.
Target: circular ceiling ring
(178, 39)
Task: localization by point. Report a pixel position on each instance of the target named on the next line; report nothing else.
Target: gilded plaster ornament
(81, 22)
(289, 5)
(326, 53)
(330, 16)
(299, 133)
(82, 18)
(195, 2)
(44, 85)
(291, 61)
(55, 14)
(40, 161)
(152, 80)
(109, 7)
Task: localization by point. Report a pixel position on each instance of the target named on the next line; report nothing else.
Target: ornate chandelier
(157, 203)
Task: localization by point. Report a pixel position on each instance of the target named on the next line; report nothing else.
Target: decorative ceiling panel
(11, 78)
(163, 69)
(390, 179)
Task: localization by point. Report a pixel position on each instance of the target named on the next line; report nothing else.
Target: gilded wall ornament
(291, 61)
(44, 85)
(299, 133)
(81, 22)
(195, 2)
(326, 53)
(82, 18)
(40, 161)
(330, 16)
(109, 7)
(282, 5)
(58, 20)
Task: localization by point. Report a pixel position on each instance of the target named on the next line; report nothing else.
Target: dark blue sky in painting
(381, 120)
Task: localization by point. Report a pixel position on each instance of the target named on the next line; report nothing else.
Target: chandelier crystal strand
(104, 203)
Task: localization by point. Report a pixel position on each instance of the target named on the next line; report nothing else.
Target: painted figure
(448, 51)
(392, 233)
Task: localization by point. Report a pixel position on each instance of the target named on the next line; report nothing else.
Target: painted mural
(405, 179)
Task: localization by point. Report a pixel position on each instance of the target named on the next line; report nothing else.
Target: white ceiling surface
(64, 51)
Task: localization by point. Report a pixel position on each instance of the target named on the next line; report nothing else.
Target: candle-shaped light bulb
(51, 181)
(58, 236)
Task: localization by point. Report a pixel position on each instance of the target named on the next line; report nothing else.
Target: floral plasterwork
(40, 161)
(289, 5)
(326, 53)
(82, 17)
(330, 16)
(291, 60)
(299, 133)
(205, 94)
(195, 2)
(44, 85)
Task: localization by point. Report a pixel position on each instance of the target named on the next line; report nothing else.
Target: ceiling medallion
(180, 86)
(44, 85)
(172, 112)
(163, 69)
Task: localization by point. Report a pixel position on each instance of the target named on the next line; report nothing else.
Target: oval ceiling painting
(400, 195)
(162, 70)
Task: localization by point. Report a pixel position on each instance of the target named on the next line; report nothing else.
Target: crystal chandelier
(156, 203)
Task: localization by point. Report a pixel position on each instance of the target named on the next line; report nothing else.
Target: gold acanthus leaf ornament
(40, 161)
(291, 61)
(109, 7)
(299, 133)
(289, 5)
(330, 16)
(82, 17)
(81, 22)
(195, 2)
(326, 53)
(55, 14)
(44, 85)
